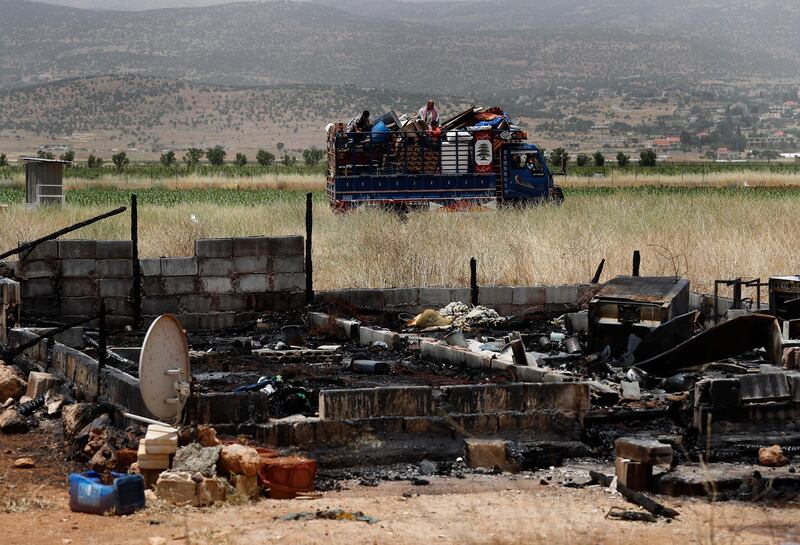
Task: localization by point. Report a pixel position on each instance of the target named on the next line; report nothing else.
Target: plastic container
(87, 494)
(287, 476)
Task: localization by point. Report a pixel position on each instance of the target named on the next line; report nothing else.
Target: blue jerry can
(87, 494)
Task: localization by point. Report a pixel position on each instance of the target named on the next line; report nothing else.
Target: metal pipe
(31, 245)
(136, 290)
(142, 419)
(473, 281)
(309, 259)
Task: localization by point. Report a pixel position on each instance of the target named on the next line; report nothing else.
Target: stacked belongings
(415, 152)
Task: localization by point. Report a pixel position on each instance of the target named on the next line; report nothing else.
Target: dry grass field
(702, 234)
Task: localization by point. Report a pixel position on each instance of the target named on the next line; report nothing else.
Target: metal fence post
(136, 289)
(473, 281)
(309, 261)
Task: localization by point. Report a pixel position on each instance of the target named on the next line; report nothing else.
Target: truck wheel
(558, 195)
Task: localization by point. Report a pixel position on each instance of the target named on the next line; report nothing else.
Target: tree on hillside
(287, 160)
(279, 146)
(264, 158)
(94, 162)
(647, 158)
(216, 155)
(312, 156)
(558, 157)
(68, 156)
(241, 160)
(120, 160)
(193, 156)
(168, 159)
(623, 160)
(582, 160)
(3, 160)
(41, 154)
(599, 159)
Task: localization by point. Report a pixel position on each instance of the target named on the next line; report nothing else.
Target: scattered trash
(88, 493)
(331, 514)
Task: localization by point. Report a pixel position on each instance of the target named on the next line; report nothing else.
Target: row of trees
(216, 156)
(647, 158)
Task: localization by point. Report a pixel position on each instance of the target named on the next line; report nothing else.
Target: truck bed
(409, 188)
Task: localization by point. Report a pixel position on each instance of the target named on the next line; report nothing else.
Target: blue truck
(401, 164)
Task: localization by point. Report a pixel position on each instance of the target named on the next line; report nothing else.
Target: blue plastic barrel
(380, 132)
(87, 494)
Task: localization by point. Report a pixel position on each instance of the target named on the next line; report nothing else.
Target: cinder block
(37, 287)
(634, 475)
(368, 336)
(405, 401)
(236, 303)
(152, 285)
(371, 299)
(211, 321)
(561, 295)
(40, 383)
(150, 267)
(213, 247)
(175, 285)
(486, 453)
(401, 297)
(178, 266)
(77, 249)
(725, 393)
(349, 404)
(291, 245)
(558, 396)
(764, 387)
(10, 292)
(251, 264)
(78, 268)
(159, 305)
(460, 295)
(195, 303)
(288, 264)
(118, 306)
(253, 283)
(115, 268)
(79, 306)
(215, 267)
(115, 287)
(495, 295)
(250, 246)
(434, 297)
(529, 296)
(289, 282)
(44, 250)
(216, 284)
(114, 249)
(37, 268)
(646, 451)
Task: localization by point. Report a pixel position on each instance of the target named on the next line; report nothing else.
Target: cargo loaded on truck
(480, 157)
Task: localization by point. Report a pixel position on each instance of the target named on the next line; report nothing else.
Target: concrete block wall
(66, 280)
(507, 300)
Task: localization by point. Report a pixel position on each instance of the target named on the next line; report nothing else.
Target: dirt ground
(486, 509)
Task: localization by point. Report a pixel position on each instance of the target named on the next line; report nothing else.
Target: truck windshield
(529, 160)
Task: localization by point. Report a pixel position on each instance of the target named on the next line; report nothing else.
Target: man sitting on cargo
(435, 130)
(429, 113)
(360, 123)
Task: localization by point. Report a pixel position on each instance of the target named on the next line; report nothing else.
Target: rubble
(772, 456)
(239, 459)
(11, 385)
(24, 463)
(12, 422)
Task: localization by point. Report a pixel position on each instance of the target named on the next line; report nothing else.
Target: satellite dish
(164, 368)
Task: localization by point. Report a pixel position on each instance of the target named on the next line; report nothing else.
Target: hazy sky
(154, 4)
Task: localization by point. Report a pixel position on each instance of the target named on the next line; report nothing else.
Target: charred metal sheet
(726, 340)
(666, 336)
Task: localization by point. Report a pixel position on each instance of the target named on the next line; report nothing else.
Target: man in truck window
(429, 113)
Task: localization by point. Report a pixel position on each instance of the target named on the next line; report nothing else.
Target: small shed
(44, 181)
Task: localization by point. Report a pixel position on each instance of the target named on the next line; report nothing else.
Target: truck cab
(526, 176)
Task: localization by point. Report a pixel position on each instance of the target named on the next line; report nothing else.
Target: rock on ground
(12, 422)
(772, 456)
(11, 385)
(24, 463)
(75, 418)
(239, 459)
